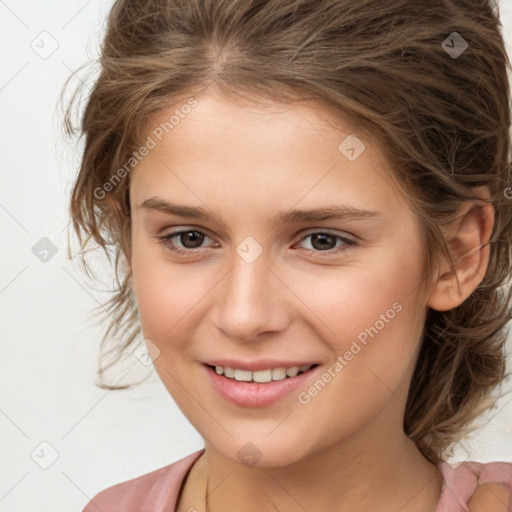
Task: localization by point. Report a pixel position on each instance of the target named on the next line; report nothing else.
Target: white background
(49, 341)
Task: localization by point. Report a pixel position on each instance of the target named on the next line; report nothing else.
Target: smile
(259, 387)
(261, 376)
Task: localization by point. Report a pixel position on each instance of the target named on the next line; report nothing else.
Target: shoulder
(476, 486)
(152, 492)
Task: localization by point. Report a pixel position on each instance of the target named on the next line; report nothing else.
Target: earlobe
(467, 241)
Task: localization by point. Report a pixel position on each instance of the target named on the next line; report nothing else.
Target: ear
(467, 241)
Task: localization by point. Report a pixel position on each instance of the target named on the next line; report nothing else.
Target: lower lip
(255, 394)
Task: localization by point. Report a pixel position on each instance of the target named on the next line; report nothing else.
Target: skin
(346, 449)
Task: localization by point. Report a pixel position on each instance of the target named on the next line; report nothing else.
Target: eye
(190, 241)
(325, 242)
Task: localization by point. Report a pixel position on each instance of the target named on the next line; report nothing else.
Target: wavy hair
(394, 68)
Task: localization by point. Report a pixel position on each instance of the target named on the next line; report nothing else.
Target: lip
(253, 394)
(254, 366)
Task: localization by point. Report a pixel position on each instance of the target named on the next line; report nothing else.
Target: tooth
(262, 376)
(244, 375)
(229, 372)
(291, 372)
(278, 373)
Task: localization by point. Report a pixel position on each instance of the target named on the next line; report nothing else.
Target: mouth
(261, 387)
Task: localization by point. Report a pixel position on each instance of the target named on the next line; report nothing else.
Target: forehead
(296, 149)
(250, 113)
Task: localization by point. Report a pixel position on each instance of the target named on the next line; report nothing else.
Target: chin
(264, 453)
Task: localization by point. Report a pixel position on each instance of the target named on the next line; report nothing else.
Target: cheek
(356, 297)
(368, 314)
(374, 349)
(162, 295)
(164, 298)
(171, 299)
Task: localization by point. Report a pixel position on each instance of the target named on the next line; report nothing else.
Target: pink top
(158, 490)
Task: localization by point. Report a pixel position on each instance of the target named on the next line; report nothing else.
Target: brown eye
(189, 240)
(322, 241)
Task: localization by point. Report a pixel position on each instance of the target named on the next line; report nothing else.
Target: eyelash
(166, 242)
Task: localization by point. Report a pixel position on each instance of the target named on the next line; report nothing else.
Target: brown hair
(442, 119)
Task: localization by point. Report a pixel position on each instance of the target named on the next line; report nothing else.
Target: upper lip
(254, 366)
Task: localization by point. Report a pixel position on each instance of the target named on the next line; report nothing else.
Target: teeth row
(261, 375)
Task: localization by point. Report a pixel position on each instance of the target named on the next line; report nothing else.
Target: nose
(251, 300)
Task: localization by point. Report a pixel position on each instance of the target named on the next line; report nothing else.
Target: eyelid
(347, 241)
(188, 229)
(302, 234)
(329, 231)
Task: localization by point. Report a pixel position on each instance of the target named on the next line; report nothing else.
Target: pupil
(315, 237)
(187, 234)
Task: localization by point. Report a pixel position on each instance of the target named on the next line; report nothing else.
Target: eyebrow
(287, 216)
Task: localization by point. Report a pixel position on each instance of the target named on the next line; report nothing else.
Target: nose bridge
(250, 300)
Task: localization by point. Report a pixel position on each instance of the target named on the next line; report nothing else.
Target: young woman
(312, 204)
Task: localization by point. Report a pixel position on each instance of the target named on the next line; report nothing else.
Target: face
(251, 283)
